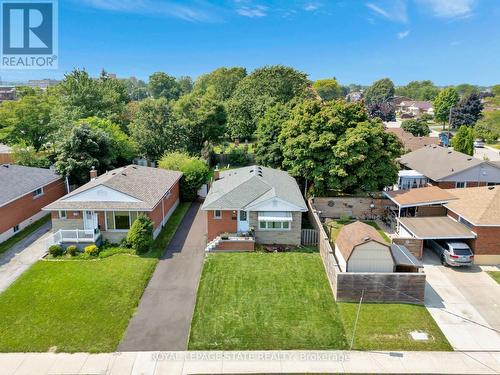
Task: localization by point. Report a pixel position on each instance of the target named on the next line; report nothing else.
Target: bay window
(275, 221)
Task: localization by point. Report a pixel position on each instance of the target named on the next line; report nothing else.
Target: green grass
(6, 245)
(78, 306)
(388, 326)
(265, 301)
(334, 227)
(495, 275)
(497, 146)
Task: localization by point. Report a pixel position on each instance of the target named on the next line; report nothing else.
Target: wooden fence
(309, 237)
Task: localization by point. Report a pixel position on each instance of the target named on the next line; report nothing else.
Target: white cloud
(403, 34)
(252, 11)
(394, 10)
(310, 7)
(449, 8)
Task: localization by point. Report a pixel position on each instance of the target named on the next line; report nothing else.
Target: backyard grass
(249, 301)
(388, 326)
(495, 275)
(334, 228)
(78, 306)
(6, 245)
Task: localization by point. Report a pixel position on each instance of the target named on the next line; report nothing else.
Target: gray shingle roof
(239, 188)
(16, 181)
(148, 185)
(437, 162)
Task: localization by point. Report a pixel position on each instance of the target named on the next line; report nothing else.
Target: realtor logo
(29, 34)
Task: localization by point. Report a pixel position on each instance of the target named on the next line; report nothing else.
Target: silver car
(452, 253)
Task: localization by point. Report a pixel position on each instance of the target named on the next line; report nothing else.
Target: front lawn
(250, 301)
(78, 305)
(495, 275)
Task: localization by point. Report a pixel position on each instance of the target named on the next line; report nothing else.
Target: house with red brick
(253, 204)
(106, 207)
(24, 191)
(439, 166)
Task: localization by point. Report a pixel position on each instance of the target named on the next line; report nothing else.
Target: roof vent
(469, 159)
(491, 188)
(124, 174)
(366, 239)
(449, 152)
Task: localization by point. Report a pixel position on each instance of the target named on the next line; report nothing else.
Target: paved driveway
(163, 318)
(22, 255)
(465, 304)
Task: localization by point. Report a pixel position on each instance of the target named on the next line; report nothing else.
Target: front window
(62, 215)
(122, 220)
(274, 225)
(38, 192)
(461, 185)
(217, 214)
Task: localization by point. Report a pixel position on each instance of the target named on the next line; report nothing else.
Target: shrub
(417, 127)
(195, 172)
(91, 250)
(72, 250)
(56, 250)
(238, 157)
(140, 235)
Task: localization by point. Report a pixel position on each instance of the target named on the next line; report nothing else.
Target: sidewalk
(172, 363)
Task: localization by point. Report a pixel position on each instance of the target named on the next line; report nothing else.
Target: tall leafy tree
(261, 89)
(443, 103)
(137, 89)
(222, 80)
(328, 89)
(161, 85)
(466, 89)
(379, 100)
(463, 141)
(337, 147)
(468, 111)
(185, 84)
(419, 90)
(268, 149)
(155, 130)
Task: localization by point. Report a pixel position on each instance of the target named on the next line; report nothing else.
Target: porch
(74, 237)
(232, 242)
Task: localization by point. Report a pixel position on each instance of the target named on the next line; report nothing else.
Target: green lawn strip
(388, 326)
(79, 305)
(250, 301)
(334, 228)
(6, 245)
(495, 275)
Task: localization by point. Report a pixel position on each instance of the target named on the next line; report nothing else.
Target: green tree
(222, 80)
(488, 128)
(83, 149)
(28, 120)
(468, 111)
(185, 84)
(140, 235)
(379, 100)
(268, 149)
(137, 89)
(29, 157)
(466, 89)
(337, 147)
(154, 129)
(463, 141)
(419, 90)
(195, 172)
(444, 102)
(417, 127)
(328, 89)
(161, 85)
(255, 93)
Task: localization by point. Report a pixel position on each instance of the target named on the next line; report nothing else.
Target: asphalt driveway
(465, 303)
(163, 319)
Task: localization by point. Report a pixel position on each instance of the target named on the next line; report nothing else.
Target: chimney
(93, 174)
(216, 174)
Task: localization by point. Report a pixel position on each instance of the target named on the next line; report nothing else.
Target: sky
(356, 41)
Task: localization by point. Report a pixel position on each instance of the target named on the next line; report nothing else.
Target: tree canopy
(328, 89)
(463, 141)
(468, 111)
(379, 100)
(443, 103)
(417, 127)
(161, 85)
(222, 80)
(418, 90)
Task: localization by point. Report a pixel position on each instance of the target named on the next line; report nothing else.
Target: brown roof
(479, 205)
(437, 227)
(410, 142)
(418, 196)
(355, 234)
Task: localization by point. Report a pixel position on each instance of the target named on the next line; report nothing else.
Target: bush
(91, 250)
(140, 235)
(417, 127)
(195, 172)
(56, 251)
(238, 157)
(72, 250)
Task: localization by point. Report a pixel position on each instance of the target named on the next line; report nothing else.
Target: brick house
(106, 207)
(447, 169)
(24, 191)
(253, 204)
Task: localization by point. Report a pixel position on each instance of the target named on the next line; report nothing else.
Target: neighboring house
(7, 94)
(5, 154)
(410, 142)
(360, 248)
(450, 169)
(106, 207)
(24, 191)
(253, 204)
(354, 96)
(415, 107)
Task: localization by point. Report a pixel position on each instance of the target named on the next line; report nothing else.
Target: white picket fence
(309, 237)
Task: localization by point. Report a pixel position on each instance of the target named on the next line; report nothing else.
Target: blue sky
(357, 41)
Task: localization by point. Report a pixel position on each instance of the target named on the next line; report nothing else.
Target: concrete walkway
(22, 255)
(255, 362)
(465, 303)
(163, 318)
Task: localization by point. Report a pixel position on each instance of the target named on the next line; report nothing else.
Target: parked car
(479, 143)
(452, 253)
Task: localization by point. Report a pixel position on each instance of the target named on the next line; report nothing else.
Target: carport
(434, 228)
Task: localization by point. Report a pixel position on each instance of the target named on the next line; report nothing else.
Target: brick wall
(236, 246)
(279, 237)
(487, 241)
(27, 206)
(451, 184)
(227, 223)
(168, 202)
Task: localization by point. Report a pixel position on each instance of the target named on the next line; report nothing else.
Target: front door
(89, 221)
(243, 224)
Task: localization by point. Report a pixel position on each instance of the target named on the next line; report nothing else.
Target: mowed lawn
(495, 275)
(78, 305)
(250, 301)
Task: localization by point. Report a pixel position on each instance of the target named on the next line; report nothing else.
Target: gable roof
(17, 180)
(147, 185)
(437, 162)
(355, 234)
(418, 196)
(479, 205)
(239, 188)
(410, 142)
